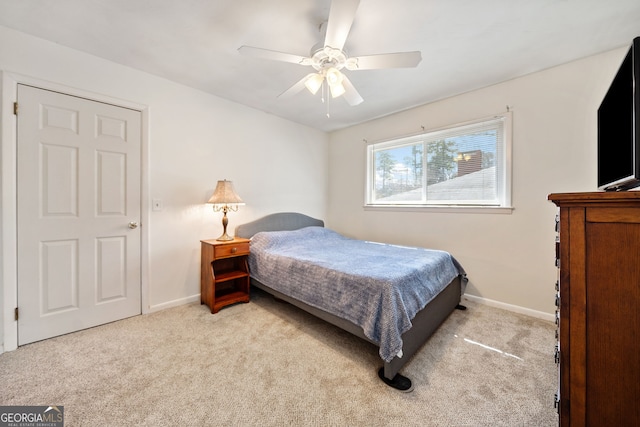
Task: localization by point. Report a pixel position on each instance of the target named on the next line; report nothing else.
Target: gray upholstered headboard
(277, 222)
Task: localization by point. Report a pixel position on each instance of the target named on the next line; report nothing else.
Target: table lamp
(225, 199)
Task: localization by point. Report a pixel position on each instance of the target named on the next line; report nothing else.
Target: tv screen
(618, 163)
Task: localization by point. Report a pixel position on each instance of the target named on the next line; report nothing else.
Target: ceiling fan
(328, 58)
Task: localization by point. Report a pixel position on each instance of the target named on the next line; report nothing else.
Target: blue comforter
(379, 287)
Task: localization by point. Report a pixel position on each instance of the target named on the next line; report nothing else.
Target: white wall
(508, 257)
(195, 139)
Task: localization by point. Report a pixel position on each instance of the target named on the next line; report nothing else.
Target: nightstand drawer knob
(234, 250)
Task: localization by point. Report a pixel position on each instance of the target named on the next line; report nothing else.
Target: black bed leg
(399, 382)
(461, 307)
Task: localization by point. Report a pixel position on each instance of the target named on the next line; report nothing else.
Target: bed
(392, 296)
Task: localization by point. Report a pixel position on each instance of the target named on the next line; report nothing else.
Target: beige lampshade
(224, 194)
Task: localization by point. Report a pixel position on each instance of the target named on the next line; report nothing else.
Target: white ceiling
(465, 44)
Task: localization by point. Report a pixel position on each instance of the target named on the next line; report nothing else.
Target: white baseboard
(515, 308)
(174, 303)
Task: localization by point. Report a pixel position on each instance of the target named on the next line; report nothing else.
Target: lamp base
(224, 238)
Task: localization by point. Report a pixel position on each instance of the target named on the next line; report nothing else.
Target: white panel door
(78, 213)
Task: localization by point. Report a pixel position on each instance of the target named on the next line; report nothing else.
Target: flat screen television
(619, 127)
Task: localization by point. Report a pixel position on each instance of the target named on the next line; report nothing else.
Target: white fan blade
(351, 95)
(296, 87)
(341, 17)
(385, 60)
(273, 55)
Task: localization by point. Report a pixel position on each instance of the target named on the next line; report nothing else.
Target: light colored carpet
(266, 363)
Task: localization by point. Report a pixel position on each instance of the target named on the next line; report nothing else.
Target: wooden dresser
(599, 308)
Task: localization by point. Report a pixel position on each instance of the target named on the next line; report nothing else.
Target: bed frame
(424, 323)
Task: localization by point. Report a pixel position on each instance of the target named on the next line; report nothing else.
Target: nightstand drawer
(231, 250)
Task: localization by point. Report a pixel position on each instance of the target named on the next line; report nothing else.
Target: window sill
(442, 209)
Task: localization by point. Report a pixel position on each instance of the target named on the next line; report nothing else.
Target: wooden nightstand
(224, 273)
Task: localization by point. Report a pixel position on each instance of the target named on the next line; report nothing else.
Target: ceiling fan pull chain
(328, 102)
(324, 88)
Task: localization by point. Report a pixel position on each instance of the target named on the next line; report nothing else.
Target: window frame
(503, 165)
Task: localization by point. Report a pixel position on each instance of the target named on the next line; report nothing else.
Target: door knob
(133, 224)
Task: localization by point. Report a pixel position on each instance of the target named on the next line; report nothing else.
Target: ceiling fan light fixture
(337, 90)
(334, 80)
(314, 83)
(334, 77)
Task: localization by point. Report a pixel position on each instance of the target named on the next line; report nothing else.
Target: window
(461, 165)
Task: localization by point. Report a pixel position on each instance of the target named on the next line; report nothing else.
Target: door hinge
(15, 108)
(16, 313)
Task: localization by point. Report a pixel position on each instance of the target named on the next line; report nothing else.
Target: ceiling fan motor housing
(327, 57)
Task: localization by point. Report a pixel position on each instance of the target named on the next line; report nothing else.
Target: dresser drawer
(231, 250)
